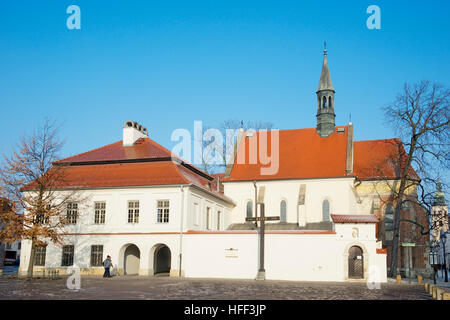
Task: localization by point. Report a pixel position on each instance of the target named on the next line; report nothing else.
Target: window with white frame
(72, 212)
(326, 210)
(162, 211)
(208, 218)
(133, 211)
(249, 209)
(196, 215)
(100, 212)
(39, 256)
(283, 211)
(218, 220)
(96, 255)
(67, 256)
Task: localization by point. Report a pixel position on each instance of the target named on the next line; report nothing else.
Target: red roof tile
(303, 154)
(154, 173)
(144, 148)
(353, 218)
(378, 159)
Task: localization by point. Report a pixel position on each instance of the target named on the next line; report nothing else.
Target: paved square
(157, 288)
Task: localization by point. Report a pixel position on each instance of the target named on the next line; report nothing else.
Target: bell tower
(325, 101)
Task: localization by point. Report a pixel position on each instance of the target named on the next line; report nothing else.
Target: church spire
(325, 101)
(325, 77)
(439, 198)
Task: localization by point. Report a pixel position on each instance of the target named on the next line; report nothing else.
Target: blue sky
(168, 63)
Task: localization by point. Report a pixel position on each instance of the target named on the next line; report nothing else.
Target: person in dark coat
(107, 264)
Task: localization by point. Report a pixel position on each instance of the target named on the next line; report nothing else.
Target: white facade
(305, 255)
(116, 233)
(337, 191)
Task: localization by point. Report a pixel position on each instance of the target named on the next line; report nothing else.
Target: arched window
(326, 210)
(324, 102)
(249, 209)
(283, 211)
(389, 218)
(329, 102)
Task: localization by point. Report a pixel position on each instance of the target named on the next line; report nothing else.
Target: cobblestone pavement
(157, 288)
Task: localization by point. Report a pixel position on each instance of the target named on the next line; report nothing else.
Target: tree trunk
(398, 209)
(395, 238)
(31, 262)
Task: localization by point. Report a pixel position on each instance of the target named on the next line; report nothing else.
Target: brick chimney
(133, 131)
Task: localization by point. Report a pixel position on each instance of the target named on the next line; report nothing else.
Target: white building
(156, 214)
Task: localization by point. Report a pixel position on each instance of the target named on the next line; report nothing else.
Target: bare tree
(420, 117)
(32, 186)
(216, 151)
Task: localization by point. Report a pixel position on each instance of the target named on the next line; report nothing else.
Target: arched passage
(131, 260)
(162, 260)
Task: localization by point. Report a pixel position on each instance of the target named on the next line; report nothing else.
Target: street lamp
(433, 262)
(444, 238)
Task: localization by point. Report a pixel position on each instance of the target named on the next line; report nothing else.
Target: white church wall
(337, 191)
(315, 257)
(307, 257)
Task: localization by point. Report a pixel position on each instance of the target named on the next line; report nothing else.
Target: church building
(156, 214)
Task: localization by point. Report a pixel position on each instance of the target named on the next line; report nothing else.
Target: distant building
(3, 206)
(12, 253)
(441, 232)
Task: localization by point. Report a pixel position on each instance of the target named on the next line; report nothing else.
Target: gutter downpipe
(181, 231)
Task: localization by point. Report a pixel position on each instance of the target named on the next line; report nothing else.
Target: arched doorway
(162, 260)
(355, 263)
(131, 260)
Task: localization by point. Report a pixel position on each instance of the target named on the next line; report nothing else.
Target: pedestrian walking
(107, 264)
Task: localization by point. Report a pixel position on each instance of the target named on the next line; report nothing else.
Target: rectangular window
(39, 256)
(100, 212)
(196, 215)
(8, 246)
(133, 211)
(96, 255)
(67, 256)
(208, 218)
(163, 211)
(72, 212)
(218, 220)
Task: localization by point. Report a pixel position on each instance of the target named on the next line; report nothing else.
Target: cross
(261, 272)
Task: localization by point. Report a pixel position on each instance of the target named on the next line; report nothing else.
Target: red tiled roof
(144, 148)
(303, 154)
(107, 175)
(144, 163)
(378, 159)
(353, 218)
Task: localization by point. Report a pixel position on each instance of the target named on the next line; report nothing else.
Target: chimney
(349, 156)
(133, 131)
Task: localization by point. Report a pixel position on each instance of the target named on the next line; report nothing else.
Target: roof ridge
(86, 152)
(173, 155)
(379, 140)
